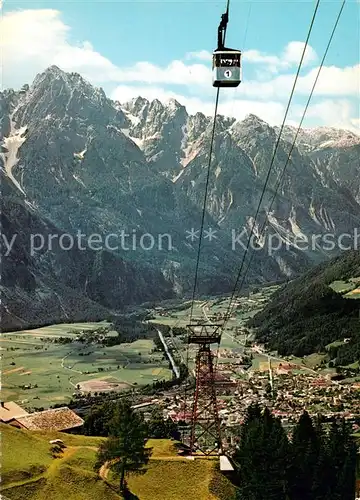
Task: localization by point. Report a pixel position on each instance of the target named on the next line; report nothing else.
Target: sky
(163, 50)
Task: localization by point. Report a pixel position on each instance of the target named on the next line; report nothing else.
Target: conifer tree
(342, 462)
(97, 421)
(320, 485)
(305, 455)
(125, 450)
(262, 457)
(322, 465)
(159, 428)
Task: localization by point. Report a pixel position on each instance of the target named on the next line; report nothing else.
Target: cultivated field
(350, 288)
(39, 372)
(354, 294)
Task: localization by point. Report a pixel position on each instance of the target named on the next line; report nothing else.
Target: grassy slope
(65, 482)
(162, 448)
(173, 478)
(179, 479)
(30, 473)
(33, 459)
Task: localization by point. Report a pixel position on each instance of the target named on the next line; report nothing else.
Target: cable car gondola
(226, 68)
(226, 65)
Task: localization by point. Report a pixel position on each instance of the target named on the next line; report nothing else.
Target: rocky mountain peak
(53, 78)
(174, 105)
(67, 97)
(52, 72)
(254, 122)
(177, 112)
(196, 125)
(251, 118)
(253, 130)
(321, 137)
(135, 105)
(156, 104)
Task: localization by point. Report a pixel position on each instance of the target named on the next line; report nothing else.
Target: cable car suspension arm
(222, 28)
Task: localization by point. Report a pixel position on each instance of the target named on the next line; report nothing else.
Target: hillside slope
(30, 473)
(307, 314)
(54, 285)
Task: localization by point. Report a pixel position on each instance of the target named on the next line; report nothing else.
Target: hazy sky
(162, 49)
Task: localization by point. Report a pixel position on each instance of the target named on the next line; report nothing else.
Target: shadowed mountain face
(130, 178)
(42, 282)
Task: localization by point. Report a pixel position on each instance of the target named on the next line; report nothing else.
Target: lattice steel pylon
(205, 423)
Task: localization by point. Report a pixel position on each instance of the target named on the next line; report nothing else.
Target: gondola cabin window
(224, 59)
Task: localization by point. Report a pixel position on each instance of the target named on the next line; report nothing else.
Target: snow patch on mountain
(80, 155)
(174, 179)
(139, 142)
(135, 120)
(12, 144)
(294, 225)
(79, 180)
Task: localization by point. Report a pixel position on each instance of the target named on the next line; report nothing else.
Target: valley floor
(38, 371)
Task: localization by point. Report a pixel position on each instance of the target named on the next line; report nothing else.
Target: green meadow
(38, 372)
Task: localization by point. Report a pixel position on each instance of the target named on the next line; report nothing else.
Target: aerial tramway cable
(282, 174)
(204, 204)
(229, 309)
(221, 42)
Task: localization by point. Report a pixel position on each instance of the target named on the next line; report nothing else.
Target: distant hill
(307, 314)
(30, 473)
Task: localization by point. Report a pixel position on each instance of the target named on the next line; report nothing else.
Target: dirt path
(13, 370)
(105, 469)
(70, 369)
(67, 367)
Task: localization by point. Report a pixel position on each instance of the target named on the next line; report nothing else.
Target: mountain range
(132, 175)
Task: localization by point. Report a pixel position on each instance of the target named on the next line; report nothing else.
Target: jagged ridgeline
(315, 310)
(73, 160)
